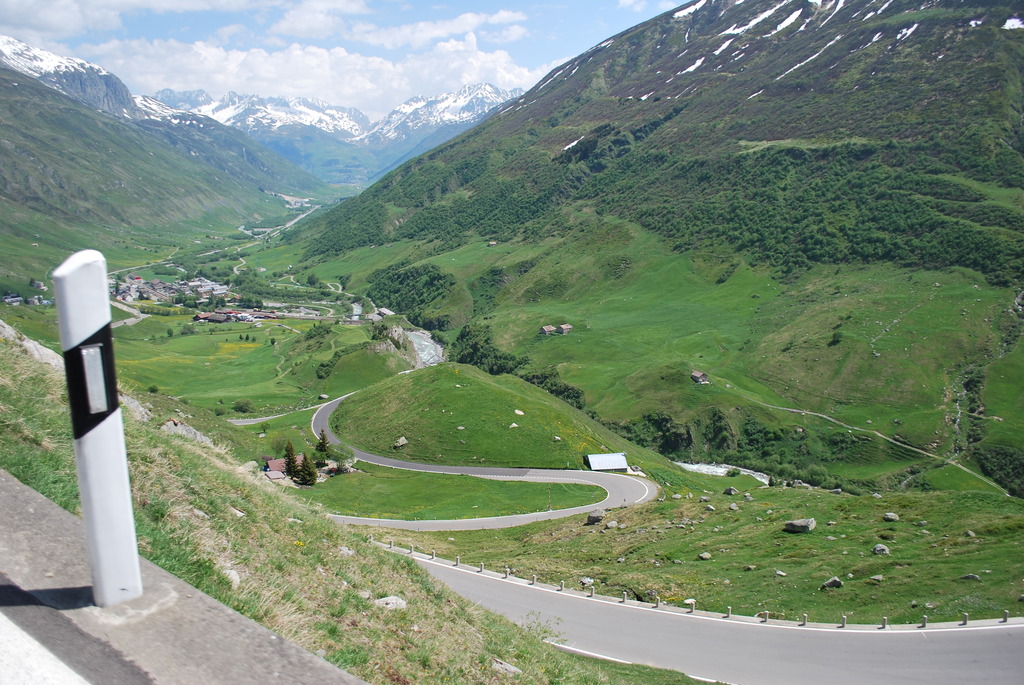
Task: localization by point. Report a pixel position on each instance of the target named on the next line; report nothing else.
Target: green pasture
(381, 492)
(214, 367)
(1004, 399)
(456, 414)
(657, 545)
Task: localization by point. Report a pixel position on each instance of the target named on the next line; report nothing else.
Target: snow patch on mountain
(690, 9)
(33, 62)
(1014, 23)
(736, 30)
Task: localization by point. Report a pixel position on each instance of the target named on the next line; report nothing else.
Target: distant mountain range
(341, 144)
(83, 163)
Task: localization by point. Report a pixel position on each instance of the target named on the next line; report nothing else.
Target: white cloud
(422, 33)
(635, 5)
(318, 18)
(56, 19)
(373, 84)
(509, 34)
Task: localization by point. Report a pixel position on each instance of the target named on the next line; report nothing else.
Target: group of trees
(305, 472)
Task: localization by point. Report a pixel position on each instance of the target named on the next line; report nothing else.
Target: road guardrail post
(885, 622)
(728, 612)
(804, 622)
(561, 585)
(87, 343)
(591, 588)
(433, 554)
(458, 559)
(412, 549)
(1006, 615)
(924, 621)
(623, 596)
(844, 622)
(534, 581)
(481, 567)
(965, 619)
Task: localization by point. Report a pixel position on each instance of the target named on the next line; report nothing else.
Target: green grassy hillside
(792, 215)
(456, 414)
(292, 577)
(74, 178)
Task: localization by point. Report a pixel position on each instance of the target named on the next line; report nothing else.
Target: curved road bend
(744, 651)
(622, 490)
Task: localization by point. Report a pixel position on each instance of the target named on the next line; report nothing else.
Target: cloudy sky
(370, 54)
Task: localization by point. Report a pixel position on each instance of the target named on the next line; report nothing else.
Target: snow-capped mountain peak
(37, 63)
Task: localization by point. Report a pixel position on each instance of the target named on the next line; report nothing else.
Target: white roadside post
(84, 315)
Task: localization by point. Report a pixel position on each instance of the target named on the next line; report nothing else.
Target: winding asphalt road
(622, 490)
(744, 650)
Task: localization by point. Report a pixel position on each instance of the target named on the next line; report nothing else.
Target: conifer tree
(290, 469)
(306, 472)
(323, 449)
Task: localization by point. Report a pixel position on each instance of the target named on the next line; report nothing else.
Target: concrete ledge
(173, 633)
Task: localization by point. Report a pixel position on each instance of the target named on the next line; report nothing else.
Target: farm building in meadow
(615, 461)
(547, 330)
(565, 328)
(699, 377)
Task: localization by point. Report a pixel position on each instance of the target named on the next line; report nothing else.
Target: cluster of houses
(563, 329)
(16, 298)
(137, 288)
(228, 315)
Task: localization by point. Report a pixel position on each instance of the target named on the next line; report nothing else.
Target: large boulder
(890, 517)
(800, 526)
(880, 549)
(595, 517)
(832, 582)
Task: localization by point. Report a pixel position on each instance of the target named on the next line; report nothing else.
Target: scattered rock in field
(237, 512)
(676, 561)
(750, 567)
(689, 495)
(461, 428)
(929, 605)
(922, 524)
(391, 602)
(365, 594)
(622, 525)
(558, 438)
(324, 396)
(734, 506)
(1021, 598)
(233, 577)
(730, 491)
(513, 425)
(880, 549)
(291, 520)
(709, 507)
(705, 498)
(830, 537)
(836, 491)
(586, 581)
(504, 668)
(890, 517)
(971, 534)
(401, 442)
(346, 551)
(704, 556)
(620, 560)
(677, 496)
(832, 582)
(781, 574)
(971, 576)
(878, 579)
(831, 523)
(520, 413)
(800, 525)
(747, 497)
(199, 513)
(876, 495)
(611, 524)
(595, 516)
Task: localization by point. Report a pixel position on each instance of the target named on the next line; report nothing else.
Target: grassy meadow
(382, 492)
(295, 573)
